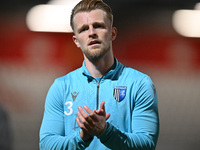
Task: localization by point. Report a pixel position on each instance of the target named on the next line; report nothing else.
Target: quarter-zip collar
(113, 74)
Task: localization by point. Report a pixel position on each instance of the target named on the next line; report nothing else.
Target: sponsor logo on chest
(74, 95)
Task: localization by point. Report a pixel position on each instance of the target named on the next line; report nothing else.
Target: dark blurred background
(147, 41)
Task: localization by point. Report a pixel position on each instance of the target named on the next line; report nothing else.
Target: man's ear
(114, 33)
(76, 41)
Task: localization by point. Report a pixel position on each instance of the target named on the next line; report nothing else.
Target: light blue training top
(130, 97)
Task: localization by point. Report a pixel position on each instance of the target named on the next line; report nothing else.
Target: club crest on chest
(119, 93)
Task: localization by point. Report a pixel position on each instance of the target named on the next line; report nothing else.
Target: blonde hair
(89, 5)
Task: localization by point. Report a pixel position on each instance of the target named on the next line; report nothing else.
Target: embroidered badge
(119, 93)
(74, 95)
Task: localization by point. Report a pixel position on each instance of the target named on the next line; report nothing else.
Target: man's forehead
(96, 14)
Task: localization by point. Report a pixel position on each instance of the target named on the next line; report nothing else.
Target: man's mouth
(94, 42)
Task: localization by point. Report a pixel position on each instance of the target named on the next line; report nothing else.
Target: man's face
(93, 33)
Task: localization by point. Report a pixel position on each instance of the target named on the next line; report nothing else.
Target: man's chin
(94, 57)
(95, 54)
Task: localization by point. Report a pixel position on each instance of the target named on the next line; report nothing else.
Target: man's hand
(102, 110)
(91, 122)
(85, 136)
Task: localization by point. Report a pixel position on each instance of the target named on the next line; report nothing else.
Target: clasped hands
(92, 123)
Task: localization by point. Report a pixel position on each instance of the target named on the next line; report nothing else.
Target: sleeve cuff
(107, 133)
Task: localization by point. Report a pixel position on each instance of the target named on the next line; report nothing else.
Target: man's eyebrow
(82, 27)
(86, 26)
(99, 23)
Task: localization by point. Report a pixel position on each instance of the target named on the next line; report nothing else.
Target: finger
(80, 117)
(100, 112)
(107, 116)
(88, 110)
(84, 117)
(84, 123)
(92, 114)
(80, 124)
(102, 105)
(82, 112)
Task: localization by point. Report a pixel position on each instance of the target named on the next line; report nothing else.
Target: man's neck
(99, 67)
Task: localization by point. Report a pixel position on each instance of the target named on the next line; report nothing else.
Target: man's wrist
(106, 125)
(85, 136)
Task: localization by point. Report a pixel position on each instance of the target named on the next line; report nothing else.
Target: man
(103, 104)
(5, 133)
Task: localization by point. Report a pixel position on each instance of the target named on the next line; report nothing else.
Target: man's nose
(92, 32)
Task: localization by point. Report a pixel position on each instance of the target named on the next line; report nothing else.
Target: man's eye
(82, 30)
(98, 26)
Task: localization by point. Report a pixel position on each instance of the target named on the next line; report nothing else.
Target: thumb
(107, 116)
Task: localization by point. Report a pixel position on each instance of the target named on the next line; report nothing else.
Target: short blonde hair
(89, 5)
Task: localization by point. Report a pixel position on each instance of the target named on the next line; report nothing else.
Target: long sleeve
(145, 122)
(52, 132)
